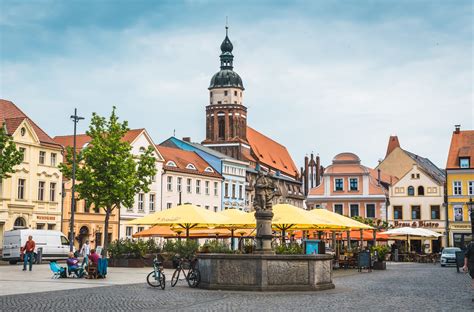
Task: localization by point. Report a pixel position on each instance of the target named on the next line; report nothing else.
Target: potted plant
(381, 252)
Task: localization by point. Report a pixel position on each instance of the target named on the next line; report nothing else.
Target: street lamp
(75, 119)
(470, 205)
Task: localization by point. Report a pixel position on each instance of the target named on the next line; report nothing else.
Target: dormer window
(464, 162)
(208, 169)
(191, 167)
(142, 149)
(171, 163)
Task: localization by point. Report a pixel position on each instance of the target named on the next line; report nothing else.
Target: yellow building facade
(88, 221)
(460, 186)
(31, 196)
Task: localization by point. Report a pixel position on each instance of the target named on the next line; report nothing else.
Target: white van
(54, 243)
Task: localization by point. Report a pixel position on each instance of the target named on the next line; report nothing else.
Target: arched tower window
(421, 190)
(221, 125)
(411, 191)
(231, 126)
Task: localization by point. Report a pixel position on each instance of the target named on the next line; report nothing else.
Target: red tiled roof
(271, 153)
(183, 158)
(393, 143)
(12, 116)
(82, 139)
(462, 145)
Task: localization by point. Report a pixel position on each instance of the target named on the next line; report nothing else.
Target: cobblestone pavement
(403, 287)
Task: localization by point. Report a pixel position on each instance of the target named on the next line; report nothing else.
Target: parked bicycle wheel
(194, 278)
(153, 281)
(175, 278)
(162, 281)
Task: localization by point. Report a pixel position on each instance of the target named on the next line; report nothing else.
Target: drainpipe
(446, 207)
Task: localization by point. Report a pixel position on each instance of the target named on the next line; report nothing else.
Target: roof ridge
(267, 137)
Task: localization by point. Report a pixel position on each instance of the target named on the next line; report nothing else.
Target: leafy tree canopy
(9, 155)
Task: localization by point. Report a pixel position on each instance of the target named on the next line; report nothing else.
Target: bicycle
(156, 278)
(191, 274)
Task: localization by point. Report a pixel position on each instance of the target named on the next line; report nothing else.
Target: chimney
(187, 139)
(318, 170)
(457, 128)
(306, 173)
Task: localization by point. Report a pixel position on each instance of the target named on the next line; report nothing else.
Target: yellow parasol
(287, 216)
(185, 216)
(342, 221)
(238, 220)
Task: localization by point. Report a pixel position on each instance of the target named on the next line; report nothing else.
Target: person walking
(29, 253)
(86, 249)
(469, 262)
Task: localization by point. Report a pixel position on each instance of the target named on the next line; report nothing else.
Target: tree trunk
(108, 210)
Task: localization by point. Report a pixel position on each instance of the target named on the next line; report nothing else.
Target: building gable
(397, 163)
(25, 133)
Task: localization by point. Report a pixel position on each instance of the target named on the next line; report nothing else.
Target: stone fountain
(264, 270)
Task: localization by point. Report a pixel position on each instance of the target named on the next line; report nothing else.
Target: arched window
(411, 191)
(191, 166)
(171, 163)
(421, 190)
(19, 222)
(221, 125)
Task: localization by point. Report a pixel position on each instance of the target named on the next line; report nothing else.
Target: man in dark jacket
(469, 261)
(29, 252)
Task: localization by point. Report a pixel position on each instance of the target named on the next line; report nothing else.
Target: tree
(108, 174)
(9, 155)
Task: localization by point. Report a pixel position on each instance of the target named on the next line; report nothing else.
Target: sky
(319, 76)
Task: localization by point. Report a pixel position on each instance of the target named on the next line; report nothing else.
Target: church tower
(226, 116)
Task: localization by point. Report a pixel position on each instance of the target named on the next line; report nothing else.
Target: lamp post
(470, 205)
(75, 119)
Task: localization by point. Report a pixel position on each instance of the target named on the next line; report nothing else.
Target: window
(53, 159)
(189, 186)
(207, 207)
(22, 131)
(141, 198)
(225, 93)
(51, 226)
(421, 191)
(457, 188)
(338, 184)
(198, 186)
(41, 190)
(21, 188)
(191, 167)
(435, 215)
(241, 192)
(169, 184)
(128, 231)
(140, 228)
(171, 163)
(221, 125)
(215, 208)
(226, 190)
(354, 210)
(411, 191)
(216, 189)
(153, 178)
(42, 157)
(40, 226)
(233, 191)
(470, 188)
(23, 153)
(235, 93)
(206, 187)
(463, 162)
(458, 214)
(178, 184)
(169, 205)
(87, 207)
(338, 208)
(415, 212)
(353, 183)
(52, 191)
(398, 212)
(151, 203)
(19, 222)
(64, 241)
(370, 211)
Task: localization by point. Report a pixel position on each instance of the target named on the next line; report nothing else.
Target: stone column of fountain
(264, 194)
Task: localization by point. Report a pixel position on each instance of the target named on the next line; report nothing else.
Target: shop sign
(421, 224)
(465, 226)
(46, 218)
